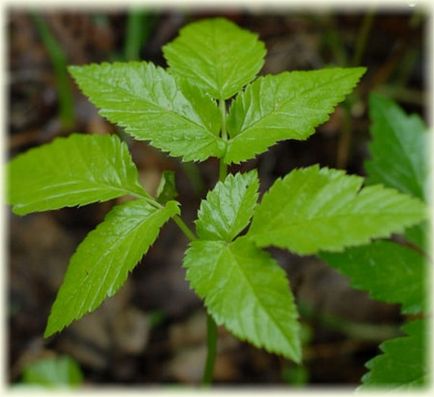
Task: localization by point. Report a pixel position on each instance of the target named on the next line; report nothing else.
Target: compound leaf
(398, 148)
(216, 55)
(388, 271)
(315, 209)
(102, 261)
(151, 105)
(285, 106)
(228, 207)
(245, 290)
(76, 170)
(402, 365)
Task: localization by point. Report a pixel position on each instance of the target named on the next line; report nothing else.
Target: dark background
(154, 330)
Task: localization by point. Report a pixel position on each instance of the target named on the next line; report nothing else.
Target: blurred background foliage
(154, 330)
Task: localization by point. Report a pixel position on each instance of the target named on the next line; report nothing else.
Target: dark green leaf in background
(398, 149)
(388, 271)
(53, 372)
(402, 365)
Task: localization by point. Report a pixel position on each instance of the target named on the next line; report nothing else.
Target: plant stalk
(211, 325)
(59, 63)
(212, 351)
(223, 168)
(184, 228)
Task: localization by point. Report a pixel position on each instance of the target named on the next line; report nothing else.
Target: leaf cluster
(387, 270)
(184, 111)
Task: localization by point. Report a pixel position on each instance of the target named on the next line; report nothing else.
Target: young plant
(184, 111)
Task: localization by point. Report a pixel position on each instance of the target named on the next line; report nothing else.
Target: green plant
(390, 271)
(183, 111)
(62, 371)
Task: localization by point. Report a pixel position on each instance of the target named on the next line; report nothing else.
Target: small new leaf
(245, 290)
(402, 365)
(76, 170)
(167, 188)
(151, 105)
(289, 105)
(388, 271)
(101, 263)
(216, 55)
(315, 209)
(228, 207)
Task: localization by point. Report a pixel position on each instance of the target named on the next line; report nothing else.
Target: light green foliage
(228, 207)
(315, 209)
(388, 271)
(398, 149)
(216, 55)
(308, 211)
(150, 105)
(76, 170)
(402, 366)
(285, 106)
(101, 263)
(167, 188)
(245, 289)
(53, 372)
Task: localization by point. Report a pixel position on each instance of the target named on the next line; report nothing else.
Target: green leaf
(402, 365)
(228, 207)
(418, 235)
(216, 55)
(167, 188)
(289, 105)
(53, 371)
(151, 105)
(388, 271)
(398, 149)
(315, 209)
(245, 289)
(76, 170)
(102, 261)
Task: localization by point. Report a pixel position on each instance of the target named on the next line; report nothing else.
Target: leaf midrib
(249, 283)
(113, 247)
(128, 93)
(284, 103)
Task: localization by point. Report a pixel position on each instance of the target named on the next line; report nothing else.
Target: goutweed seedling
(209, 102)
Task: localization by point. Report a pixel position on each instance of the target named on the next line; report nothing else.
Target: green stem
(58, 60)
(362, 37)
(212, 351)
(211, 325)
(184, 228)
(222, 107)
(139, 27)
(223, 168)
